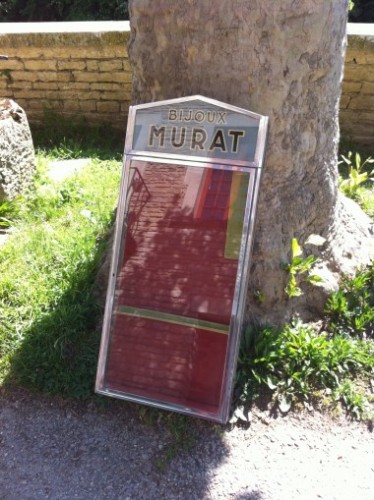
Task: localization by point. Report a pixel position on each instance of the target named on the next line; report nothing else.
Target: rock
(17, 157)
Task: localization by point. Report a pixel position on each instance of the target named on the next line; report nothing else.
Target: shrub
(298, 364)
(361, 11)
(350, 310)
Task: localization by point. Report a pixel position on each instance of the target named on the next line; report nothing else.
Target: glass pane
(176, 282)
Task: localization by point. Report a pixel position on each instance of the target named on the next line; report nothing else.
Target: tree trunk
(280, 59)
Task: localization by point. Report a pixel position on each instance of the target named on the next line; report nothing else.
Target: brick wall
(357, 101)
(82, 69)
(76, 69)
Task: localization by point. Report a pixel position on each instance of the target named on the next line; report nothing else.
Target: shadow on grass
(59, 351)
(58, 356)
(76, 138)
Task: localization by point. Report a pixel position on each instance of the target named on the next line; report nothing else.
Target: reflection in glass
(176, 281)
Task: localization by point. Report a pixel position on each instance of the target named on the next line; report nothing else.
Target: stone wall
(81, 69)
(357, 101)
(75, 69)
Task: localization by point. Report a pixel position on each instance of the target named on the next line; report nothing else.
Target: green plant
(350, 310)
(182, 439)
(357, 174)
(48, 325)
(64, 138)
(366, 200)
(298, 364)
(352, 398)
(300, 268)
(9, 212)
(7, 74)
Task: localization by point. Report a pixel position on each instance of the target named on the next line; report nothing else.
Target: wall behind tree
(81, 70)
(78, 70)
(357, 101)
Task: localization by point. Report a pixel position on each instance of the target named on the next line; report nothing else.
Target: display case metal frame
(253, 168)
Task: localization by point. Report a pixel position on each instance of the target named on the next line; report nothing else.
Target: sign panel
(180, 261)
(196, 129)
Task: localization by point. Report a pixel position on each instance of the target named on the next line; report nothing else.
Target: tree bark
(280, 59)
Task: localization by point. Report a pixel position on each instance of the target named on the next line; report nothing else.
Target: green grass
(350, 310)
(356, 178)
(65, 138)
(182, 438)
(48, 327)
(299, 364)
(365, 197)
(330, 366)
(49, 334)
(9, 212)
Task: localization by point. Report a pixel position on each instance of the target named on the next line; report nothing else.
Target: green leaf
(296, 249)
(271, 384)
(347, 160)
(292, 290)
(314, 279)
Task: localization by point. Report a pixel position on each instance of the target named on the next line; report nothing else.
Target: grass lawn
(48, 329)
(49, 325)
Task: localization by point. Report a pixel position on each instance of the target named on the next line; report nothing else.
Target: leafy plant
(357, 174)
(301, 268)
(297, 364)
(9, 212)
(366, 200)
(350, 310)
(353, 399)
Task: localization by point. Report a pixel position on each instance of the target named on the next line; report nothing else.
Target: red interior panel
(175, 285)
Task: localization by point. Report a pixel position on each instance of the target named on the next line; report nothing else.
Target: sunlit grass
(48, 325)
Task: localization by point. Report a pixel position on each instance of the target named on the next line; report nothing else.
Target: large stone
(17, 158)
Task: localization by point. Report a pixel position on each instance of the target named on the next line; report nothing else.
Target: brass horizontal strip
(174, 319)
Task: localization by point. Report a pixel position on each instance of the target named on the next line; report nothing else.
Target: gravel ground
(56, 449)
